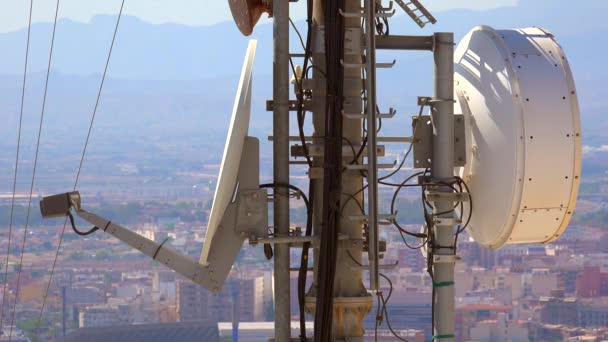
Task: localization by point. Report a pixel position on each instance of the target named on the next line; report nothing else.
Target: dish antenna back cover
(247, 13)
(517, 94)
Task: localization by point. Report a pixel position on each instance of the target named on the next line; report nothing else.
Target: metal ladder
(417, 12)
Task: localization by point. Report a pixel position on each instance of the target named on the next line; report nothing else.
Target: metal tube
(443, 169)
(282, 309)
(404, 43)
(372, 171)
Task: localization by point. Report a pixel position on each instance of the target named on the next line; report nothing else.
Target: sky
(14, 13)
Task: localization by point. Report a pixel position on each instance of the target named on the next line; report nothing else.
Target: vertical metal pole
(372, 170)
(282, 309)
(443, 170)
(318, 122)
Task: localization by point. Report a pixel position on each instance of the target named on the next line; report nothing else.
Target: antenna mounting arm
(60, 205)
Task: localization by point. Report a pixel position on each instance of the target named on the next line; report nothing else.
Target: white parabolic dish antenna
(517, 94)
(239, 207)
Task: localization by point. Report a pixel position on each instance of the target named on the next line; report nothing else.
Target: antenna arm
(175, 261)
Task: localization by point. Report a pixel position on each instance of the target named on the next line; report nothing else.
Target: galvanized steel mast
(282, 308)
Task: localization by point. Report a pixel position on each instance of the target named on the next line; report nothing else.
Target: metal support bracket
(365, 167)
(424, 100)
(386, 139)
(423, 146)
(284, 239)
(252, 213)
(443, 221)
(293, 105)
(451, 259)
(361, 14)
(434, 196)
(386, 65)
(359, 116)
(317, 150)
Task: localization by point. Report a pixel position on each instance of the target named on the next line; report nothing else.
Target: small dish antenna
(522, 126)
(240, 208)
(247, 13)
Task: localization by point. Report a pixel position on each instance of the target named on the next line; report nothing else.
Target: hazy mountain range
(173, 85)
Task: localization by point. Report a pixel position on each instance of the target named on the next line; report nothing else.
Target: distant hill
(173, 81)
(176, 52)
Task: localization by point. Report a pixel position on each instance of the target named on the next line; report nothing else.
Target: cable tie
(107, 225)
(444, 336)
(443, 284)
(159, 247)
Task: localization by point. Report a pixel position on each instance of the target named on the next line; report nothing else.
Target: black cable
(429, 269)
(407, 153)
(352, 198)
(332, 162)
(394, 212)
(298, 33)
(159, 247)
(81, 233)
(301, 115)
(288, 186)
(302, 273)
(316, 68)
(385, 309)
(431, 243)
(470, 206)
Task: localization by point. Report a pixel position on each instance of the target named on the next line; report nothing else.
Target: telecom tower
(489, 162)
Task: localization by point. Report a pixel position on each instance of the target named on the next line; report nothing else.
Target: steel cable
(10, 228)
(84, 150)
(29, 205)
